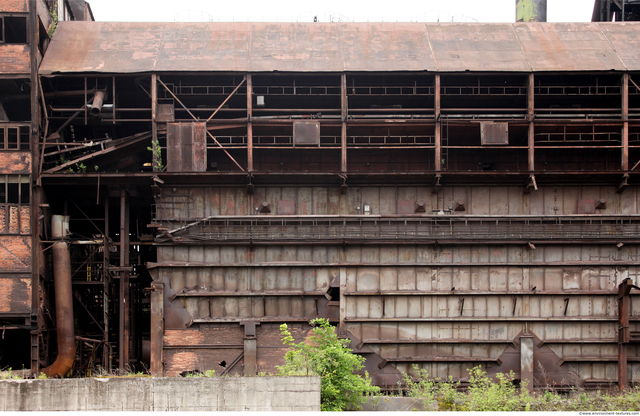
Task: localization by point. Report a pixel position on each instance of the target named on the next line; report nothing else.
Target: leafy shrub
(329, 357)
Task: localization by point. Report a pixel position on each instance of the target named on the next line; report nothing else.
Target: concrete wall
(162, 394)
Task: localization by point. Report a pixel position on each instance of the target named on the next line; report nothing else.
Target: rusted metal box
(586, 206)
(286, 207)
(186, 147)
(493, 133)
(166, 113)
(406, 206)
(306, 133)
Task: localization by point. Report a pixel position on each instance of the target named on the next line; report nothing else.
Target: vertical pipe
(343, 112)
(249, 123)
(106, 356)
(123, 353)
(154, 124)
(625, 122)
(64, 312)
(438, 132)
(530, 112)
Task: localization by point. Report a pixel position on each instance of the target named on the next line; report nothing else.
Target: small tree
(327, 356)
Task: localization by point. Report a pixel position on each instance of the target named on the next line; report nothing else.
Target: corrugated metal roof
(107, 47)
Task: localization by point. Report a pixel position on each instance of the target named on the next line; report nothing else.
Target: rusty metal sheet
(386, 47)
(306, 133)
(568, 47)
(476, 47)
(166, 112)
(492, 133)
(286, 207)
(624, 37)
(124, 47)
(186, 147)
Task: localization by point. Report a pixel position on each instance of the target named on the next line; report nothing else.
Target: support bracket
(530, 184)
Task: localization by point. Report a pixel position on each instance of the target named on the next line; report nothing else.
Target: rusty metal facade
(449, 195)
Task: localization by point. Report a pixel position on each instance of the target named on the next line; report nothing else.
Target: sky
(329, 10)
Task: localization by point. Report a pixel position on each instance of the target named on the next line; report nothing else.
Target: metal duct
(98, 100)
(531, 10)
(64, 303)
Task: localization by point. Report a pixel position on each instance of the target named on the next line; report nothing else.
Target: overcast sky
(329, 10)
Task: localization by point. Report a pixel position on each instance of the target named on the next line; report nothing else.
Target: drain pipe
(64, 301)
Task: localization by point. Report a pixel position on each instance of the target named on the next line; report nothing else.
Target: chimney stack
(531, 10)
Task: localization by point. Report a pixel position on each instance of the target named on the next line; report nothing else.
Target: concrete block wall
(162, 394)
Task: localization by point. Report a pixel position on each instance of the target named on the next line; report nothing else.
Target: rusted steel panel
(166, 112)
(567, 47)
(306, 133)
(625, 40)
(476, 47)
(493, 133)
(121, 47)
(16, 294)
(14, 6)
(199, 158)
(174, 147)
(386, 47)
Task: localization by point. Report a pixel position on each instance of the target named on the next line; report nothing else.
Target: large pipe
(531, 10)
(98, 100)
(64, 312)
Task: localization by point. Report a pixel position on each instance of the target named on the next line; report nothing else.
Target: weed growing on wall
(327, 356)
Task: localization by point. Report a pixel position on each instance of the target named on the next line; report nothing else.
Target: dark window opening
(12, 138)
(24, 193)
(24, 138)
(15, 29)
(13, 193)
(1, 30)
(1, 138)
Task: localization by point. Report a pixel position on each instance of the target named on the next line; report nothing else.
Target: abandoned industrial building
(448, 194)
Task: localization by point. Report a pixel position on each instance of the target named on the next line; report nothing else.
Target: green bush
(329, 357)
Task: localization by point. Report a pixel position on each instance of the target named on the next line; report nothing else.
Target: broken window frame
(22, 137)
(3, 28)
(9, 199)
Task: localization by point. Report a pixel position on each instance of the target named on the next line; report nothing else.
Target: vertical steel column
(438, 134)
(106, 351)
(154, 124)
(343, 112)
(124, 346)
(157, 327)
(530, 116)
(526, 361)
(34, 139)
(625, 122)
(624, 303)
(249, 123)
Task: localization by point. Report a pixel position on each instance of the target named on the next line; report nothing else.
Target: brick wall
(15, 294)
(14, 6)
(15, 253)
